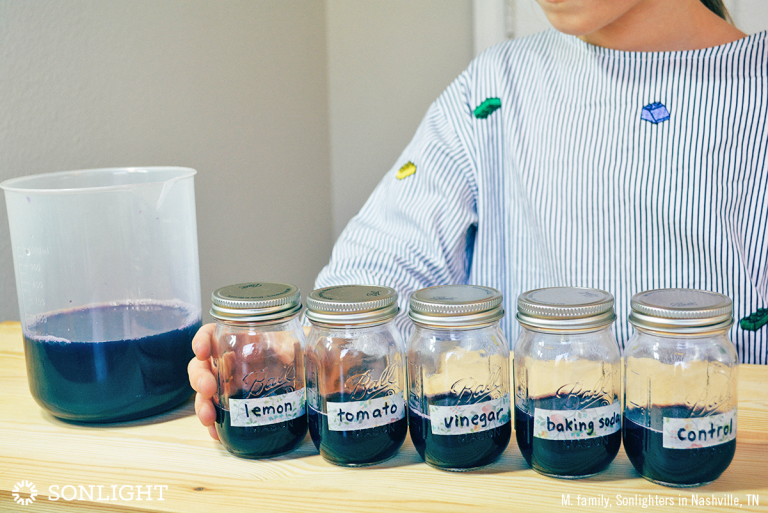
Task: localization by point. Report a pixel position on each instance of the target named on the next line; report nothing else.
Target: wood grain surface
(174, 450)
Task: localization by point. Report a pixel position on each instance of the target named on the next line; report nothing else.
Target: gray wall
(240, 91)
(387, 60)
(236, 90)
(750, 16)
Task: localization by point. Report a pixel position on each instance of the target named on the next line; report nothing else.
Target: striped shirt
(566, 184)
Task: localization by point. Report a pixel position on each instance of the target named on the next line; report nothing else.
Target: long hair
(718, 7)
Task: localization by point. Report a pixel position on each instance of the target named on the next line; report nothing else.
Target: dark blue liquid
(259, 441)
(456, 452)
(358, 447)
(676, 467)
(567, 458)
(111, 363)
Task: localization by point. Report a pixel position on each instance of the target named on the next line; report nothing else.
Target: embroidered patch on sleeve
(755, 321)
(488, 107)
(407, 170)
(655, 113)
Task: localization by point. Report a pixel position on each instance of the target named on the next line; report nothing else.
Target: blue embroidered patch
(655, 113)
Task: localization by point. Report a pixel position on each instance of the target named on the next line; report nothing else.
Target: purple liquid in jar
(644, 446)
(563, 458)
(456, 452)
(111, 362)
(358, 447)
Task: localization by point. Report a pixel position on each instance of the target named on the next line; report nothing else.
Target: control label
(698, 432)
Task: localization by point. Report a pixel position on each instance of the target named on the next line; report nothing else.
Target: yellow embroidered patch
(407, 170)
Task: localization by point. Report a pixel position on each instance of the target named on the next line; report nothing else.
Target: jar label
(372, 413)
(469, 418)
(577, 424)
(698, 432)
(266, 410)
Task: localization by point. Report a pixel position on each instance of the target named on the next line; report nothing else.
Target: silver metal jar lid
(352, 305)
(456, 306)
(256, 302)
(681, 311)
(565, 309)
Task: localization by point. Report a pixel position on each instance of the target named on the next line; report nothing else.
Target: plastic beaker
(108, 283)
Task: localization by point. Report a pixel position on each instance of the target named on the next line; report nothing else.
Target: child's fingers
(194, 369)
(202, 341)
(206, 385)
(201, 378)
(198, 402)
(205, 410)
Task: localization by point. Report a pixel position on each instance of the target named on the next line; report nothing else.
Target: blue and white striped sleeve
(417, 230)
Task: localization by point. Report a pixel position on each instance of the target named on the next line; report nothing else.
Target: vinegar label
(577, 424)
(698, 432)
(355, 415)
(469, 418)
(266, 410)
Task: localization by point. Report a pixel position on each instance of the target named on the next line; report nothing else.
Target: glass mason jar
(355, 374)
(567, 381)
(458, 377)
(258, 359)
(680, 379)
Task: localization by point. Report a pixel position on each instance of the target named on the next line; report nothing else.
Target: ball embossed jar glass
(567, 381)
(458, 377)
(258, 359)
(355, 374)
(681, 374)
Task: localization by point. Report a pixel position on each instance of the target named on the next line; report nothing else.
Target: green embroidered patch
(407, 170)
(487, 108)
(755, 321)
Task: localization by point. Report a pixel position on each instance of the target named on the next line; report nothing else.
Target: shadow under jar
(258, 359)
(567, 381)
(355, 375)
(458, 377)
(681, 374)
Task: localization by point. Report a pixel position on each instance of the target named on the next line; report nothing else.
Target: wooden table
(174, 450)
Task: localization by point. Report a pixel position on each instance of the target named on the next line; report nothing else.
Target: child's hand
(273, 353)
(201, 378)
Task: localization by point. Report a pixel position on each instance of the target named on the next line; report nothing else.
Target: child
(628, 158)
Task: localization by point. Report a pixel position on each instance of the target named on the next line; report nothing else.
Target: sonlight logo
(26, 487)
(25, 493)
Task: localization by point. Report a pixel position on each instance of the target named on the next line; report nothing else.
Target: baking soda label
(577, 424)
